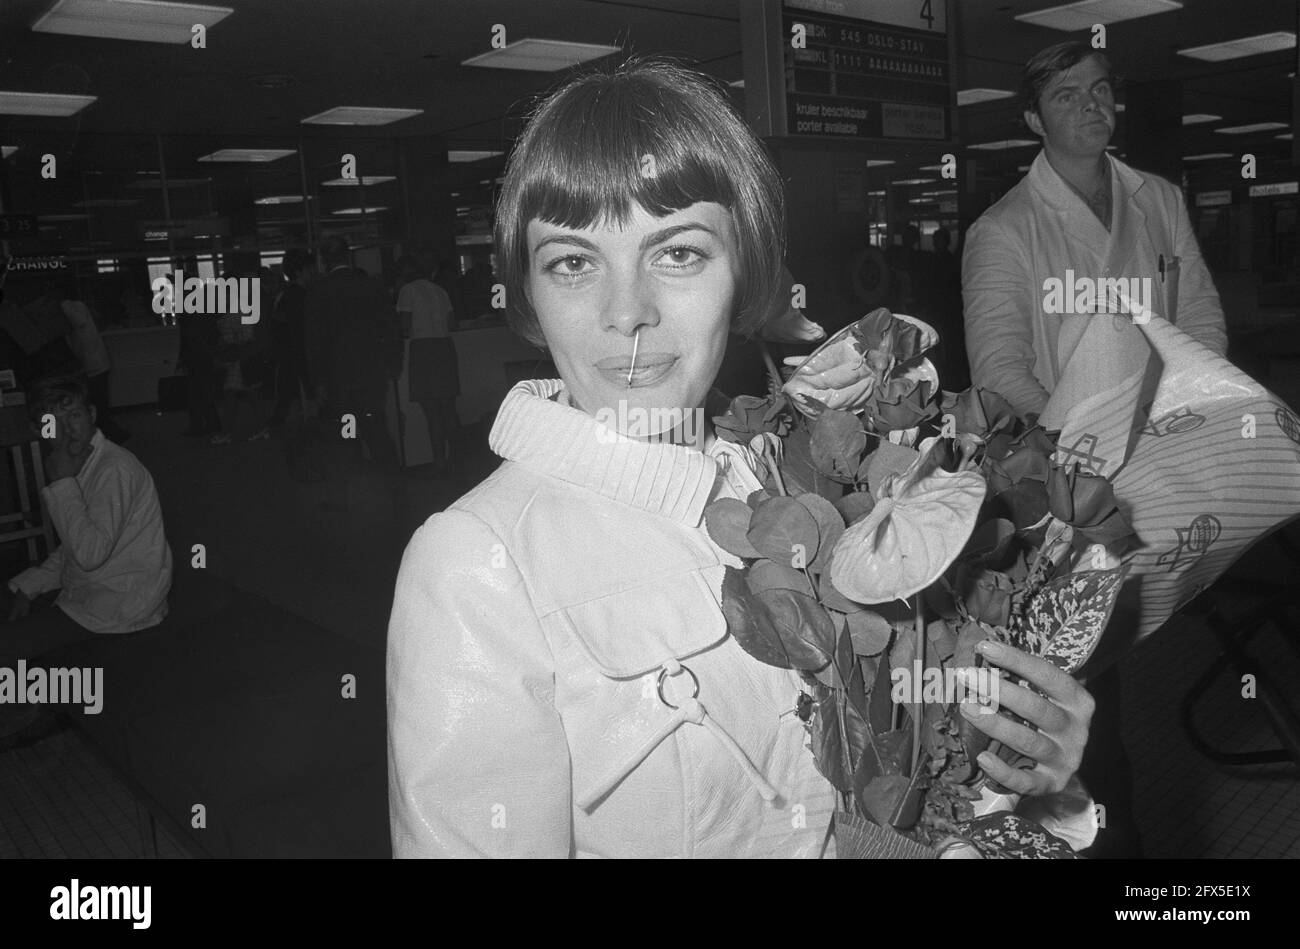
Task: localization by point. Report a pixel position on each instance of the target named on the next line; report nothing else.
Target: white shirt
(114, 567)
(429, 306)
(84, 339)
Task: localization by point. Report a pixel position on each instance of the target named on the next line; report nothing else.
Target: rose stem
(636, 341)
(771, 364)
(918, 707)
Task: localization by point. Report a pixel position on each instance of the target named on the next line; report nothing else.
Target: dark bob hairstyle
(582, 162)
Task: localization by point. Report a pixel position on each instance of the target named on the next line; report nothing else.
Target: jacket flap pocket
(635, 631)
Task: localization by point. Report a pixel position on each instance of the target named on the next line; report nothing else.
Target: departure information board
(848, 77)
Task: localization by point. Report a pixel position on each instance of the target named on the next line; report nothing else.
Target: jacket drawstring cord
(691, 710)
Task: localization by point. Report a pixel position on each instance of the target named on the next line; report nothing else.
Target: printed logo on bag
(179, 295)
(1127, 295)
(1084, 450)
(1288, 422)
(1193, 541)
(1178, 422)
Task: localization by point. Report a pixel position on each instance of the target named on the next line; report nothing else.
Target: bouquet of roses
(899, 526)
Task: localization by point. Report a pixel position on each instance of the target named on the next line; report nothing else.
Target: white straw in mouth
(636, 341)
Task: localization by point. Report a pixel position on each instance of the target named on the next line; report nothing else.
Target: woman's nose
(630, 305)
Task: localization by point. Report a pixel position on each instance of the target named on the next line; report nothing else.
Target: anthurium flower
(903, 402)
(1022, 463)
(747, 416)
(917, 528)
(791, 326)
(981, 411)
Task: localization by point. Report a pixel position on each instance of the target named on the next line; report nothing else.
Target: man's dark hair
(334, 251)
(52, 393)
(295, 259)
(1047, 64)
(407, 269)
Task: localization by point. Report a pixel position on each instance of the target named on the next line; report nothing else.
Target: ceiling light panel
(360, 115)
(42, 103)
(1082, 15)
(972, 96)
(1239, 48)
(538, 55)
(140, 20)
(249, 154)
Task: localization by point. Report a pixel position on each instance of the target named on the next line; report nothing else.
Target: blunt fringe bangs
(650, 133)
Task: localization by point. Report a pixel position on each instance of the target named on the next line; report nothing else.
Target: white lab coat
(1040, 230)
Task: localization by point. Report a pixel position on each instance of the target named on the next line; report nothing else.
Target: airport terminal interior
(145, 144)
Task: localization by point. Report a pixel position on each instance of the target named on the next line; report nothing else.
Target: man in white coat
(1079, 217)
(1054, 249)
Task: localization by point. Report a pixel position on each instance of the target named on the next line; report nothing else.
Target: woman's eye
(681, 258)
(570, 266)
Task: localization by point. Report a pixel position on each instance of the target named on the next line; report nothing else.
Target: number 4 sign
(928, 15)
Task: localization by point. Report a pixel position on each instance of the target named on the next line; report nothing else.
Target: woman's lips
(650, 368)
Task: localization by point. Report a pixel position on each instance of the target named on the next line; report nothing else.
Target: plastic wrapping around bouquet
(1211, 467)
(858, 839)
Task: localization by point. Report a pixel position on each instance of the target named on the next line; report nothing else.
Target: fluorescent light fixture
(155, 184)
(738, 84)
(972, 96)
(139, 20)
(875, 194)
(360, 210)
(366, 180)
(1022, 168)
(930, 168)
(1206, 156)
(248, 154)
(922, 201)
(1120, 107)
(42, 103)
(1285, 136)
(1246, 46)
(538, 55)
(463, 155)
(360, 115)
(106, 203)
(7, 150)
(913, 181)
(878, 162)
(1254, 127)
(1006, 143)
(1082, 15)
(462, 210)
(932, 194)
(280, 199)
(58, 218)
(1199, 118)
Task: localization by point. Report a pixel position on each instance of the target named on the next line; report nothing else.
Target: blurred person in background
(433, 380)
(288, 334)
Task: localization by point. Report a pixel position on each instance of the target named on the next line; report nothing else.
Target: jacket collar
(1112, 249)
(566, 443)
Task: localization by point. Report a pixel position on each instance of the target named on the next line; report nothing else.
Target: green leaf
(869, 631)
(782, 527)
(882, 796)
(727, 521)
(766, 575)
(838, 442)
(828, 750)
(880, 705)
(855, 505)
(1065, 620)
(797, 469)
(830, 525)
(888, 459)
(805, 630)
(748, 621)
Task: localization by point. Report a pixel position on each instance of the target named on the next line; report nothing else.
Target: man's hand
(63, 464)
(1061, 720)
(19, 606)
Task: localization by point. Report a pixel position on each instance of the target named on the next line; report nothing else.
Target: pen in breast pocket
(1162, 268)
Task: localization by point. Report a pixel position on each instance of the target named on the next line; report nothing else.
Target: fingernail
(988, 647)
(967, 709)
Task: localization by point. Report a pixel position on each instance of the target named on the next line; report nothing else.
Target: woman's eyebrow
(573, 239)
(658, 237)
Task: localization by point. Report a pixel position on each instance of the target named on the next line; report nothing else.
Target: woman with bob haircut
(561, 682)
